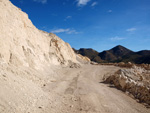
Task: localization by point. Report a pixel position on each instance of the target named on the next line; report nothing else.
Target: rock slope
(29, 60)
(22, 44)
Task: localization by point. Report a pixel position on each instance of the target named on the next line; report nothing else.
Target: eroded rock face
(22, 44)
(29, 60)
(135, 81)
(83, 59)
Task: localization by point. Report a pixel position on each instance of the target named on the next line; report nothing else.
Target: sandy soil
(81, 91)
(63, 90)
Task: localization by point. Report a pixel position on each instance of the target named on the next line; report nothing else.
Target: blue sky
(97, 24)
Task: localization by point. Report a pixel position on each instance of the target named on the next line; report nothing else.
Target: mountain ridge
(118, 53)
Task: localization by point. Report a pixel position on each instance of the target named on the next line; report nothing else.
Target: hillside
(22, 44)
(29, 59)
(117, 54)
(90, 53)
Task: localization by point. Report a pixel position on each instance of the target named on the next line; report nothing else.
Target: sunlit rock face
(134, 81)
(22, 44)
(29, 60)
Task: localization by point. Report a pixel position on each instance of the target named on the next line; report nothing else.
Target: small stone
(80, 109)
(71, 106)
(40, 107)
(4, 75)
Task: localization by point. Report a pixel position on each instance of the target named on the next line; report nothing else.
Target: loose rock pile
(134, 81)
(74, 65)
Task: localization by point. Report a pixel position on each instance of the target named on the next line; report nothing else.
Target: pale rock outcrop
(83, 59)
(29, 60)
(22, 44)
(134, 81)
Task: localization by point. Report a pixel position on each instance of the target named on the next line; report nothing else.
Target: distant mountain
(116, 54)
(144, 52)
(90, 53)
(138, 57)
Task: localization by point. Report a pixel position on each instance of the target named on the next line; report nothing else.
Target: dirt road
(81, 91)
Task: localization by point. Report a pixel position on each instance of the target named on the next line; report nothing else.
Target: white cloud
(67, 31)
(109, 11)
(41, 1)
(131, 29)
(94, 4)
(72, 31)
(60, 30)
(68, 17)
(82, 2)
(116, 38)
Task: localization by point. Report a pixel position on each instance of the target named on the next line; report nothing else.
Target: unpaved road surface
(81, 91)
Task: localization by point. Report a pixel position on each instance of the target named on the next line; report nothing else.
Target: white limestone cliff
(29, 60)
(22, 44)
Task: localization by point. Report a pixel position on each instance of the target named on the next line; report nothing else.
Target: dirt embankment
(134, 81)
